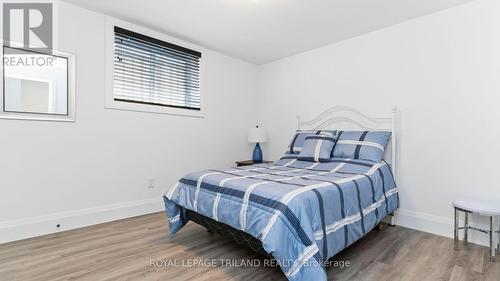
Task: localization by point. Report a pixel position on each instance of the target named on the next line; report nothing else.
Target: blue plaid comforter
(302, 212)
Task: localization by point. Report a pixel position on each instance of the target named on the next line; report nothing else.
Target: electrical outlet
(151, 183)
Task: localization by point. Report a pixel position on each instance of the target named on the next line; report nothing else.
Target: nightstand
(250, 162)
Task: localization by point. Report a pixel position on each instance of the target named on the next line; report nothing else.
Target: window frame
(111, 103)
(70, 116)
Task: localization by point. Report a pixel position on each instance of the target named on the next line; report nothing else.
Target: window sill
(120, 105)
(37, 117)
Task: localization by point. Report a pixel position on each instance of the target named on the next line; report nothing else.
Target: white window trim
(70, 117)
(109, 59)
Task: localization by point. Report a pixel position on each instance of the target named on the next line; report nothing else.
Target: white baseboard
(438, 225)
(40, 225)
(35, 226)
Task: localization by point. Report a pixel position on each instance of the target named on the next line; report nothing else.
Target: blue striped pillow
(300, 136)
(368, 145)
(317, 148)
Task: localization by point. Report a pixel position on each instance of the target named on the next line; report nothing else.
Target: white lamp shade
(257, 135)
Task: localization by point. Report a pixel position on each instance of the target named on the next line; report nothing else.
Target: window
(37, 85)
(154, 72)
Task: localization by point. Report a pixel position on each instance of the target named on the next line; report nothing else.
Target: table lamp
(257, 135)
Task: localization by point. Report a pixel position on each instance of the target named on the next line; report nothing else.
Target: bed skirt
(238, 236)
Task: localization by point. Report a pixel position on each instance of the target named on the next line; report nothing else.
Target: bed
(297, 210)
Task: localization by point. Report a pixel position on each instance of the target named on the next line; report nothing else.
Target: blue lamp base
(257, 153)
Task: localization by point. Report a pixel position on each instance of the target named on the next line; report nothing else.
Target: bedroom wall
(97, 168)
(442, 71)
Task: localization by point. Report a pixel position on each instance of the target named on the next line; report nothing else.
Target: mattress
(302, 212)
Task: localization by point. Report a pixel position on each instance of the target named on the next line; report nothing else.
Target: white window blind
(155, 72)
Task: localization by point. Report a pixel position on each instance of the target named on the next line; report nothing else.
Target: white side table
(483, 208)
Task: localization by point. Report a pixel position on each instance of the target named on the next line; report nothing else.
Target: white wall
(442, 71)
(97, 168)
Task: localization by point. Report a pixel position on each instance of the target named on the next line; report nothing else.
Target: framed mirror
(36, 85)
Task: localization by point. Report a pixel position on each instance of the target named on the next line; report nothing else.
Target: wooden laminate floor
(123, 250)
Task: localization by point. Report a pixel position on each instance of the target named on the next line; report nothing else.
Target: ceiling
(261, 31)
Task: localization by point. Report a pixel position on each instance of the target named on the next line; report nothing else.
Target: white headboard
(348, 118)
